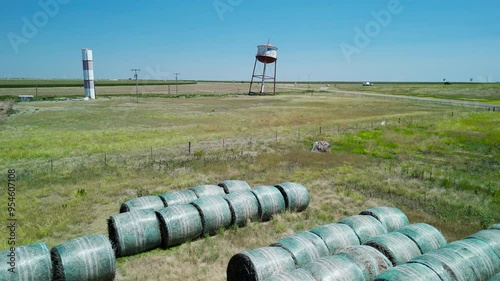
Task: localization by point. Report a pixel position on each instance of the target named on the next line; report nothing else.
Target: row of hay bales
(373, 241)
(84, 258)
(141, 230)
(474, 258)
(183, 196)
(93, 257)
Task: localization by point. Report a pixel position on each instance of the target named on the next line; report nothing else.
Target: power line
(176, 90)
(135, 70)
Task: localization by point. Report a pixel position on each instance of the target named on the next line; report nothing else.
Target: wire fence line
(243, 146)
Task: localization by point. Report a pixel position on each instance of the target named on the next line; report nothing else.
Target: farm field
(76, 162)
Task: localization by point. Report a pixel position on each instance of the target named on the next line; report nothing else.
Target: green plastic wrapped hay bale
(365, 227)
(259, 264)
(489, 236)
(397, 247)
(179, 224)
(495, 226)
(495, 278)
(336, 236)
(27, 262)
(142, 203)
(243, 205)
(207, 190)
(427, 237)
(134, 232)
(293, 275)
(484, 262)
(371, 261)
(214, 212)
(304, 246)
(270, 201)
(392, 218)
(447, 264)
(296, 196)
(84, 258)
(409, 271)
(231, 186)
(335, 268)
(178, 197)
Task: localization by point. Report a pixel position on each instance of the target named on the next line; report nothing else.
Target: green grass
(489, 93)
(76, 162)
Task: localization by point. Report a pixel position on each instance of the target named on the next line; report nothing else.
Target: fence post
(299, 134)
(151, 152)
(320, 130)
(276, 136)
(51, 164)
(189, 148)
(223, 143)
(105, 159)
(399, 120)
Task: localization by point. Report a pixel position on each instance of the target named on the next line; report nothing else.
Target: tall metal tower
(266, 54)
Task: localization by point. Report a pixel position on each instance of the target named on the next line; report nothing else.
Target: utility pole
(176, 90)
(135, 70)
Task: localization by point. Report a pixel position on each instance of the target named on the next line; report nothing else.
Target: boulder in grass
(321, 146)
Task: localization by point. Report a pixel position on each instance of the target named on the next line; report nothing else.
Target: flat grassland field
(77, 161)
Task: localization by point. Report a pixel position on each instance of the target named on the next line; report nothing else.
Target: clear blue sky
(408, 40)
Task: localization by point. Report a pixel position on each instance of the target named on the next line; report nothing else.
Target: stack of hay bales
(166, 220)
(183, 196)
(474, 258)
(311, 250)
(198, 211)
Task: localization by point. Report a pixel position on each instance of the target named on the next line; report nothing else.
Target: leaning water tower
(266, 54)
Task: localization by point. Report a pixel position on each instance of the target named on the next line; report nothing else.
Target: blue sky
(389, 40)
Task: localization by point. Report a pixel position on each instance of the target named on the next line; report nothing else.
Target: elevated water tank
(267, 53)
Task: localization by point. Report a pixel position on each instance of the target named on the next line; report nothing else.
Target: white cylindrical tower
(88, 73)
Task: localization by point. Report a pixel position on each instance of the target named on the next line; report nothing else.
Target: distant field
(438, 163)
(489, 93)
(48, 89)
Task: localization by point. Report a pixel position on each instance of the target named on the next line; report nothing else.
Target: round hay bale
(179, 224)
(244, 206)
(134, 232)
(231, 186)
(207, 190)
(142, 203)
(397, 247)
(214, 212)
(495, 226)
(447, 264)
(259, 264)
(294, 275)
(84, 258)
(392, 218)
(495, 278)
(178, 197)
(409, 271)
(365, 227)
(27, 262)
(371, 261)
(304, 246)
(336, 236)
(485, 263)
(489, 236)
(270, 201)
(296, 196)
(427, 237)
(335, 268)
